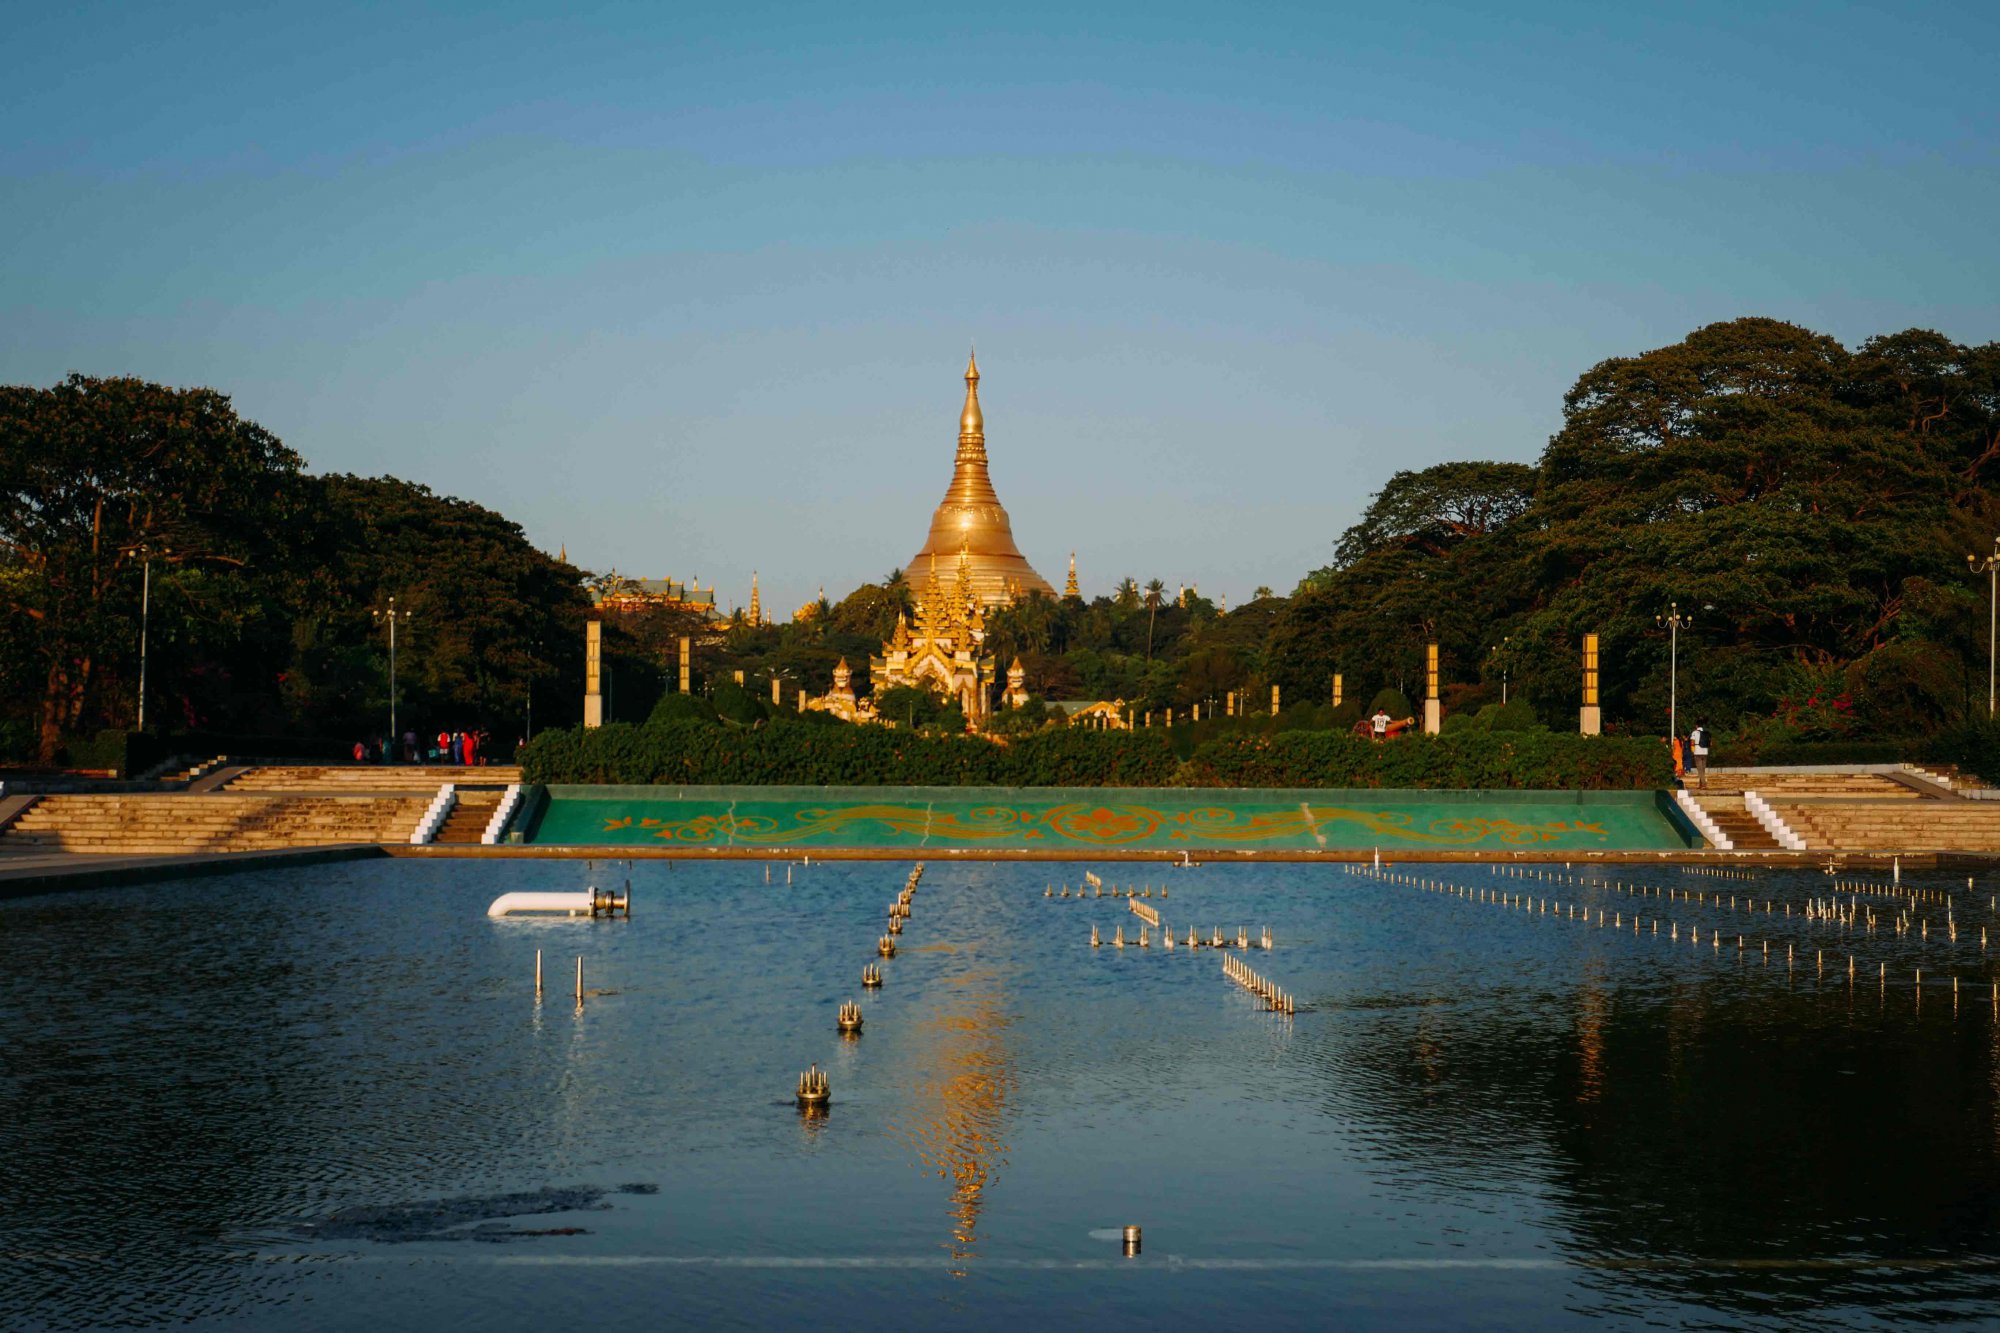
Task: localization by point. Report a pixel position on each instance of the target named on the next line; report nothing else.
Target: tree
(1438, 507)
(98, 475)
(490, 614)
(1154, 589)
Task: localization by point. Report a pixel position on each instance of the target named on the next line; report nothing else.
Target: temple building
(623, 594)
(970, 524)
(840, 700)
(943, 652)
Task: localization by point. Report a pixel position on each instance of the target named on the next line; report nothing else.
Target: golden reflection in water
(955, 1119)
(1592, 1005)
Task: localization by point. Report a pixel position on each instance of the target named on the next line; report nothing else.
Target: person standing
(1380, 722)
(444, 747)
(1680, 759)
(1698, 743)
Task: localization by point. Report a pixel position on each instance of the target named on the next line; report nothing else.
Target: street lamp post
(1673, 622)
(1504, 650)
(146, 554)
(392, 615)
(1991, 564)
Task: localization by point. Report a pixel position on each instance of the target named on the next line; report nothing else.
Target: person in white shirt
(1698, 743)
(1381, 724)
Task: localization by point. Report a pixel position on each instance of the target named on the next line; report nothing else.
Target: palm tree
(900, 593)
(1154, 589)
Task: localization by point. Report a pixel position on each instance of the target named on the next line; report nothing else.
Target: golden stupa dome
(971, 524)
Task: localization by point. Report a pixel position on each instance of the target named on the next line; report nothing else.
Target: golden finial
(1070, 588)
(972, 422)
(562, 554)
(756, 607)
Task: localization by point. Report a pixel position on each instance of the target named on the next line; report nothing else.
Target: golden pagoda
(944, 653)
(971, 525)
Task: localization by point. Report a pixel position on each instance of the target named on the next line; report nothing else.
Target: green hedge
(789, 754)
(1463, 759)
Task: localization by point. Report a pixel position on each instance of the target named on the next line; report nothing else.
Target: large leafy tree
(490, 615)
(98, 478)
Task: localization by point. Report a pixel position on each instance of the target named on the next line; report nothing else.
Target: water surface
(328, 1098)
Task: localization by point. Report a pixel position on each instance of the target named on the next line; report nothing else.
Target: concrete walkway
(30, 872)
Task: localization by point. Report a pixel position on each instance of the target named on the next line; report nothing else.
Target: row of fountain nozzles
(1214, 941)
(1276, 999)
(1049, 891)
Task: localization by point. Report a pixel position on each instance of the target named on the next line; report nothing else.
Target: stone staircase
(1777, 786)
(182, 776)
(334, 778)
(130, 824)
(1737, 824)
(469, 818)
(1895, 825)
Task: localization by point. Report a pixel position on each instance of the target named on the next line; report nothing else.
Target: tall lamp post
(146, 553)
(392, 615)
(1990, 564)
(1673, 622)
(1504, 651)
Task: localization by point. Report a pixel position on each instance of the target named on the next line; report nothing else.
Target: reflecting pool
(329, 1098)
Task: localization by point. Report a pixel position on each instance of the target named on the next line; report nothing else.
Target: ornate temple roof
(970, 524)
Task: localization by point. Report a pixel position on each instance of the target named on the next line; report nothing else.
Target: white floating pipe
(569, 904)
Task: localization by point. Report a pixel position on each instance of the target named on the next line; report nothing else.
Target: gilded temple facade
(943, 652)
(970, 523)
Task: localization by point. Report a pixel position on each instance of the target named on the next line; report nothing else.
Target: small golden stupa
(970, 526)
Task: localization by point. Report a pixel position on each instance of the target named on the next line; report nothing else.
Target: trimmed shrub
(1465, 759)
(1391, 701)
(790, 754)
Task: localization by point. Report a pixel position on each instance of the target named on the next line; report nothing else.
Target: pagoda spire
(971, 519)
(756, 608)
(972, 422)
(1070, 588)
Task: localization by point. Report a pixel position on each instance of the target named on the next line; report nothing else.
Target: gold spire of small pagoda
(562, 554)
(1070, 588)
(971, 521)
(756, 607)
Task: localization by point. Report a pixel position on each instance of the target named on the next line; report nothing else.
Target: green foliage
(1973, 747)
(910, 706)
(792, 754)
(735, 703)
(692, 753)
(1514, 715)
(99, 477)
(1470, 759)
(1391, 701)
(677, 707)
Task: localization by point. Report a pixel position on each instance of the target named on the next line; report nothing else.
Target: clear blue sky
(689, 288)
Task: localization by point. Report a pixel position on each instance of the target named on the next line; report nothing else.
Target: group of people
(1692, 754)
(466, 748)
